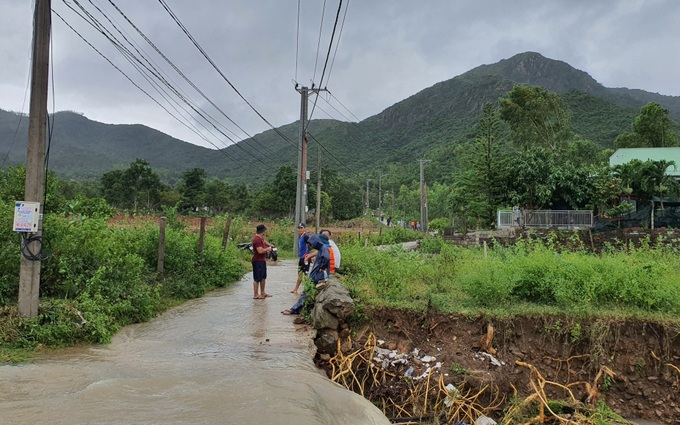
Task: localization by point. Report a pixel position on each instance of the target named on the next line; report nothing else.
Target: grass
(531, 278)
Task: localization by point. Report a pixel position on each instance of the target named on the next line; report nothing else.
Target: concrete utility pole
(423, 197)
(368, 205)
(380, 194)
(301, 194)
(29, 278)
(318, 192)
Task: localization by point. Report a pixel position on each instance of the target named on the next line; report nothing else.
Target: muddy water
(221, 359)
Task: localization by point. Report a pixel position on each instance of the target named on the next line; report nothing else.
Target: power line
(153, 70)
(330, 45)
(318, 43)
(138, 87)
(342, 26)
(186, 78)
(219, 71)
(297, 41)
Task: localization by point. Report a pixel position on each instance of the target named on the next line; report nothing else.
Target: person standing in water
(260, 249)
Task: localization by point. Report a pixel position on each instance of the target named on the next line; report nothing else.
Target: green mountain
(439, 116)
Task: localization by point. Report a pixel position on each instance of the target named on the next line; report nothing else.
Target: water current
(221, 359)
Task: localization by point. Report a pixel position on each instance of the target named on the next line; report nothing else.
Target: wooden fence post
(161, 247)
(201, 235)
(225, 236)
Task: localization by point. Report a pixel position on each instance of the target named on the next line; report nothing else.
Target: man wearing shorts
(260, 249)
(303, 263)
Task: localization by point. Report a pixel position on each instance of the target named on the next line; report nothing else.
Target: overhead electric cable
(141, 89)
(153, 71)
(342, 26)
(153, 45)
(219, 71)
(330, 46)
(318, 43)
(297, 41)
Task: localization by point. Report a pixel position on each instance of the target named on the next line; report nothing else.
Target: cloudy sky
(388, 50)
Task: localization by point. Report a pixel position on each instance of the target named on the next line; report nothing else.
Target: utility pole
(29, 278)
(301, 193)
(423, 197)
(318, 192)
(368, 205)
(380, 195)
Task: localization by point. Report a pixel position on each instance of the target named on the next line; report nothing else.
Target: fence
(562, 219)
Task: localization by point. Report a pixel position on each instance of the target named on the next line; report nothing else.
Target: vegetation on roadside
(532, 277)
(99, 277)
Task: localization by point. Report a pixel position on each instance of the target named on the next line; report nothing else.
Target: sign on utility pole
(29, 278)
(301, 193)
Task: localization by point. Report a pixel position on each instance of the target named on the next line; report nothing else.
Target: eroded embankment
(509, 365)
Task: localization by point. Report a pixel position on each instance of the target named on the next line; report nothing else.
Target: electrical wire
(219, 71)
(41, 254)
(140, 66)
(318, 43)
(330, 46)
(141, 33)
(150, 69)
(297, 41)
(342, 26)
(182, 122)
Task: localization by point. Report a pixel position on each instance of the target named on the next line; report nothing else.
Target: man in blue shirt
(303, 263)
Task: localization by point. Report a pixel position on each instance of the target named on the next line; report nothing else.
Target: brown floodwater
(221, 359)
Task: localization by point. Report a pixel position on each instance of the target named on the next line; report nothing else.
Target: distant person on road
(389, 221)
(319, 271)
(303, 262)
(260, 249)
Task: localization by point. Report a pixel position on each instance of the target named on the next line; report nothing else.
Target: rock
(322, 319)
(336, 300)
(391, 346)
(324, 357)
(327, 341)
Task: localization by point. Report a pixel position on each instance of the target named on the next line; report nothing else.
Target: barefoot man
(260, 249)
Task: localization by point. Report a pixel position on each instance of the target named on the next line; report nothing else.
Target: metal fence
(545, 219)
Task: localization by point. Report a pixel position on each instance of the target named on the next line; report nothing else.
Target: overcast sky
(388, 50)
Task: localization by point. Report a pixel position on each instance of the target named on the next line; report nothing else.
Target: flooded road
(221, 359)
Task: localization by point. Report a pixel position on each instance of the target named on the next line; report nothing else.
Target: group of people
(318, 265)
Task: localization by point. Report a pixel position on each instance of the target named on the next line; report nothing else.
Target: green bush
(99, 278)
(534, 274)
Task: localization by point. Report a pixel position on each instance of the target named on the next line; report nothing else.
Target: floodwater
(221, 359)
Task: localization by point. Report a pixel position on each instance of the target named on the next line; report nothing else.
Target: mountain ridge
(444, 113)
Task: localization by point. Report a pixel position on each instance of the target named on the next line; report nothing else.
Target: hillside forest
(521, 152)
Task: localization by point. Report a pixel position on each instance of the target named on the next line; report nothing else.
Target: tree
(218, 195)
(536, 117)
(482, 168)
(652, 128)
(114, 188)
(143, 184)
(133, 187)
(642, 180)
(192, 187)
(530, 184)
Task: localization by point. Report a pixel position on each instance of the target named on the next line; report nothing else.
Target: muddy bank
(508, 355)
